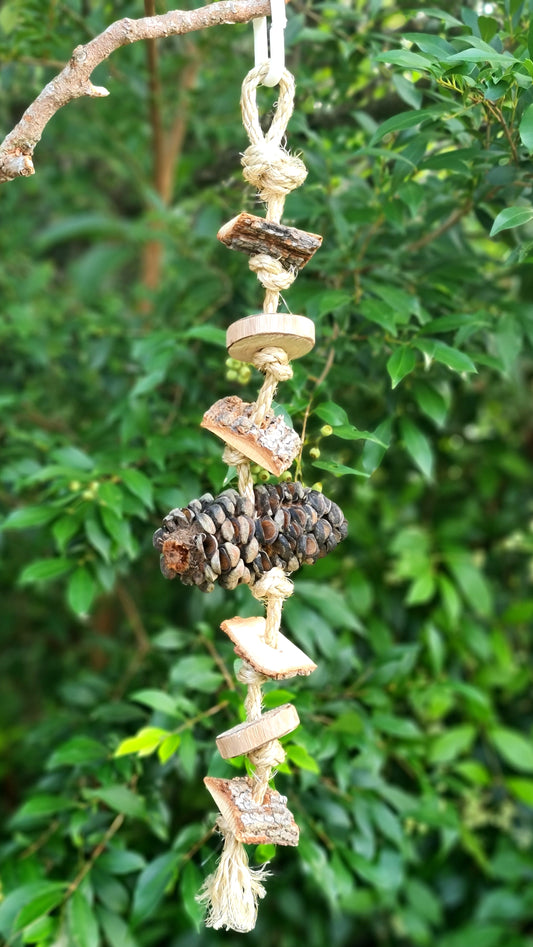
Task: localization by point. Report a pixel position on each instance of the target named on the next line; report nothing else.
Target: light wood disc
(294, 334)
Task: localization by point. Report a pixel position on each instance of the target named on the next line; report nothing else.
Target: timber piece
(286, 660)
(273, 445)
(246, 337)
(250, 234)
(249, 736)
(252, 823)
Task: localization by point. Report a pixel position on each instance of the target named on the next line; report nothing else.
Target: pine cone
(232, 541)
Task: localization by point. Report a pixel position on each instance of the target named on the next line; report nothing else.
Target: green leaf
(406, 59)
(191, 882)
(511, 217)
(431, 403)
(446, 354)
(82, 924)
(29, 516)
(73, 457)
(337, 469)
(332, 414)
(196, 672)
(120, 861)
(41, 904)
(16, 900)
(40, 807)
(43, 570)
(168, 747)
(152, 884)
(401, 363)
(78, 751)
(97, 538)
(514, 748)
(120, 798)
(300, 757)
(207, 333)
(417, 446)
(373, 451)
(452, 743)
(521, 789)
(157, 700)
(471, 581)
(139, 484)
(81, 591)
(526, 128)
(116, 931)
(143, 743)
(396, 726)
(422, 589)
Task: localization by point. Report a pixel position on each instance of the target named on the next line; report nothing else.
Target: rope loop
(250, 113)
(271, 273)
(273, 360)
(266, 163)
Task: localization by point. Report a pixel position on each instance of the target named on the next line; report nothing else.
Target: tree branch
(74, 80)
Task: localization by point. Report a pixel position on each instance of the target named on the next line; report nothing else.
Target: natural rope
(266, 164)
(273, 276)
(273, 362)
(253, 703)
(265, 760)
(272, 589)
(268, 757)
(234, 458)
(232, 892)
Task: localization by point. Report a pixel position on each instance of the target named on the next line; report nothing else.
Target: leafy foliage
(412, 773)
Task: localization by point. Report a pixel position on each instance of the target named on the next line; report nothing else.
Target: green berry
(315, 453)
(232, 375)
(326, 430)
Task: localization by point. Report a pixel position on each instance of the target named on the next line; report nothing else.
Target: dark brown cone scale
(232, 541)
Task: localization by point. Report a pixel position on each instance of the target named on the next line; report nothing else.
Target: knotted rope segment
(275, 173)
(232, 892)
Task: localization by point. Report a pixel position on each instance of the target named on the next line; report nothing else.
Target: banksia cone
(232, 541)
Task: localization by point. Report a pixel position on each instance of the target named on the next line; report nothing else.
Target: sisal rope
(231, 894)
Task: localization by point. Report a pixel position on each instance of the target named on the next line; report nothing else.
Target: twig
(431, 235)
(141, 637)
(95, 854)
(42, 840)
(74, 81)
(219, 661)
(322, 377)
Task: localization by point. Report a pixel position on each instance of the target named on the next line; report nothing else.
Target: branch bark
(74, 81)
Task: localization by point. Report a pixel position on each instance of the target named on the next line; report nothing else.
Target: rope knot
(274, 361)
(271, 273)
(272, 170)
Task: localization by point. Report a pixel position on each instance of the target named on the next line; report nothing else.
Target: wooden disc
(248, 636)
(249, 736)
(294, 334)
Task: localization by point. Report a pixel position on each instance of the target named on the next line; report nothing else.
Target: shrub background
(412, 774)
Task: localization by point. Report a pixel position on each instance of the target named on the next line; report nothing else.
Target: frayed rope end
(231, 894)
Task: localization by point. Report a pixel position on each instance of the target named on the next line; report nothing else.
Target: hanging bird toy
(257, 535)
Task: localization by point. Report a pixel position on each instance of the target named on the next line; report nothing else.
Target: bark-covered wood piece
(273, 445)
(252, 235)
(246, 337)
(233, 540)
(252, 823)
(279, 663)
(249, 736)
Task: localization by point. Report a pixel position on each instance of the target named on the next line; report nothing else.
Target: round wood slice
(249, 736)
(294, 334)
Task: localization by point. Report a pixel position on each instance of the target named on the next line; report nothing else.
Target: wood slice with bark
(250, 822)
(252, 235)
(273, 445)
(249, 736)
(284, 661)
